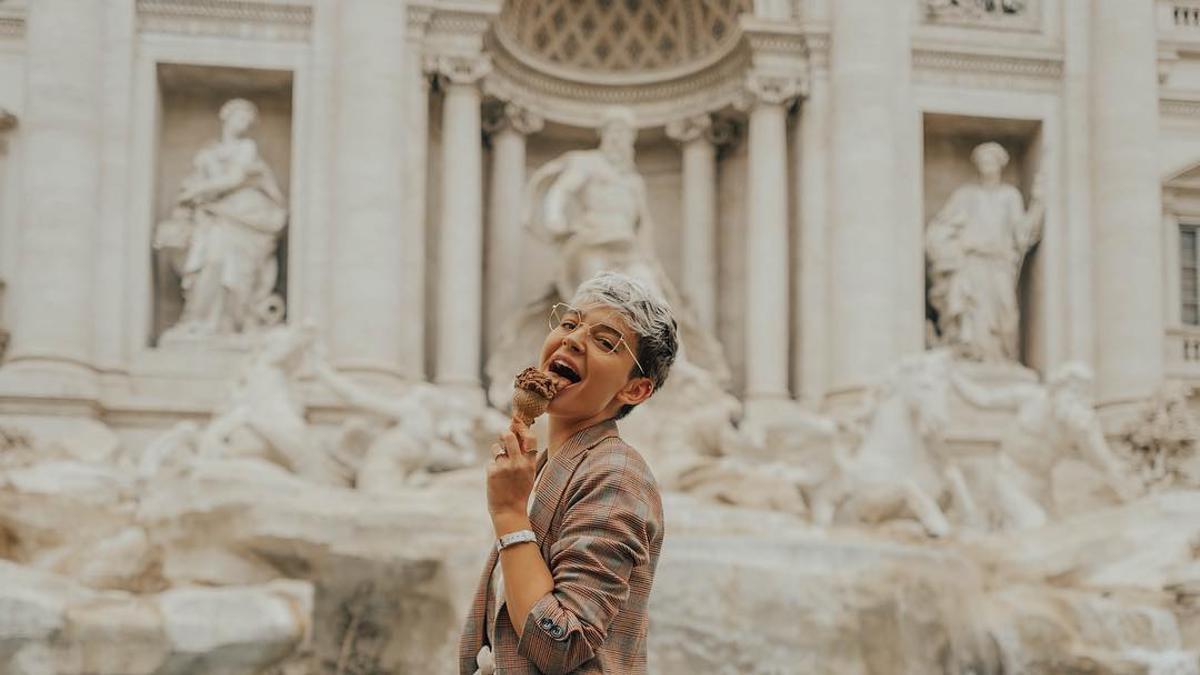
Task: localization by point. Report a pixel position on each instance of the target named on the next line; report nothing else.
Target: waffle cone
(528, 405)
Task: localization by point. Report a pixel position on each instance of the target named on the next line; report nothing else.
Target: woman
(579, 527)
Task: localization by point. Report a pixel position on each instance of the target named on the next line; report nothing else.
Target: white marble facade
(773, 154)
(832, 190)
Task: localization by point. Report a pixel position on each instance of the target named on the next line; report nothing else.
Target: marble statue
(591, 206)
(895, 471)
(223, 234)
(426, 432)
(1163, 440)
(974, 250)
(1055, 445)
(264, 416)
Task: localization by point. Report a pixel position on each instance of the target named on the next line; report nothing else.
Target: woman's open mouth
(564, 372)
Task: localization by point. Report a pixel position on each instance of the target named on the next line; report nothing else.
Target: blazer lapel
(557, 474)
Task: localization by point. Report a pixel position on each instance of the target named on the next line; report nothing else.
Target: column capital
(459, 69)
(503, 116)
(689, 128)
(769, 88)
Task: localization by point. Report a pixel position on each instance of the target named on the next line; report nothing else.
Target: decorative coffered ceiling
(636, 37)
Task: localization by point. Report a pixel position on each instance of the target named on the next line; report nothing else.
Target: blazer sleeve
(609, 522)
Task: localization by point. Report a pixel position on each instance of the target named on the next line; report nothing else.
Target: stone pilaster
(810, 371)
(864, 235)
(376, 272)
(53, 327)
(1126, 202)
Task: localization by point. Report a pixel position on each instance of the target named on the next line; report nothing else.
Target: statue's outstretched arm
(984, 397)
(356, 396)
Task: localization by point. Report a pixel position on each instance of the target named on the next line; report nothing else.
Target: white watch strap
(518, 537)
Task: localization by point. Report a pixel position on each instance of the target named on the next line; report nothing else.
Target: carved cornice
(1038, 69)
(12, 27)
(455, 21)
(500, 116)
(816, 48)
(419, 19)
(12, 19)
(778, 58)
(290, 22)
(1179, 105)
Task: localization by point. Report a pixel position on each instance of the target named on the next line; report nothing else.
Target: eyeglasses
(565, 319)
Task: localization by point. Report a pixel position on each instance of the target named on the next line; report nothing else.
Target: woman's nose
(573, 340)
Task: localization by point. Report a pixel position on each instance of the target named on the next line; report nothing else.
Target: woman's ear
(635, 391)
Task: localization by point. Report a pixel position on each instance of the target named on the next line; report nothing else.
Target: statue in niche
(223, 234)
(896, 470)
(263, 418)
(975, 247)
(591, 205)
(425, 432)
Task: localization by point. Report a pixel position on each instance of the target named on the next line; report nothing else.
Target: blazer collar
(558, 471)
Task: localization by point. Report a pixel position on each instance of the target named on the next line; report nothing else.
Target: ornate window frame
(1181, 208)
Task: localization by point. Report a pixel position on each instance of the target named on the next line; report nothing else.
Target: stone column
(460, 243)
(699, 209)
(863, 234)
(508, 128)
(416, 177)
(1126, 202)
(376, 272)
(767, 325)
(54, 325)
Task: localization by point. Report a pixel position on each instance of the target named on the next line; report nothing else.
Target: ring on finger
(498, 451)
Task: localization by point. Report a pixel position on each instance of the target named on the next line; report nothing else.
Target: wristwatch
(512, 538)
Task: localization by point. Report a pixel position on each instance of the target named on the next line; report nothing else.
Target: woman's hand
(510, 478)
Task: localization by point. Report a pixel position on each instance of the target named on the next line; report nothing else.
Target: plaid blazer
(598, 518)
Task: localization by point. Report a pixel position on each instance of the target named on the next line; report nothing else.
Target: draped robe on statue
(974, 249)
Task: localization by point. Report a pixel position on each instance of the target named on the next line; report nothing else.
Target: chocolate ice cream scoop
(531, 394)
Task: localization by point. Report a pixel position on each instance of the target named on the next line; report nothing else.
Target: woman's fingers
(512, 444)
(528, 441)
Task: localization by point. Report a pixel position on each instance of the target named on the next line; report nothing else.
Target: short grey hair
(647, 313)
